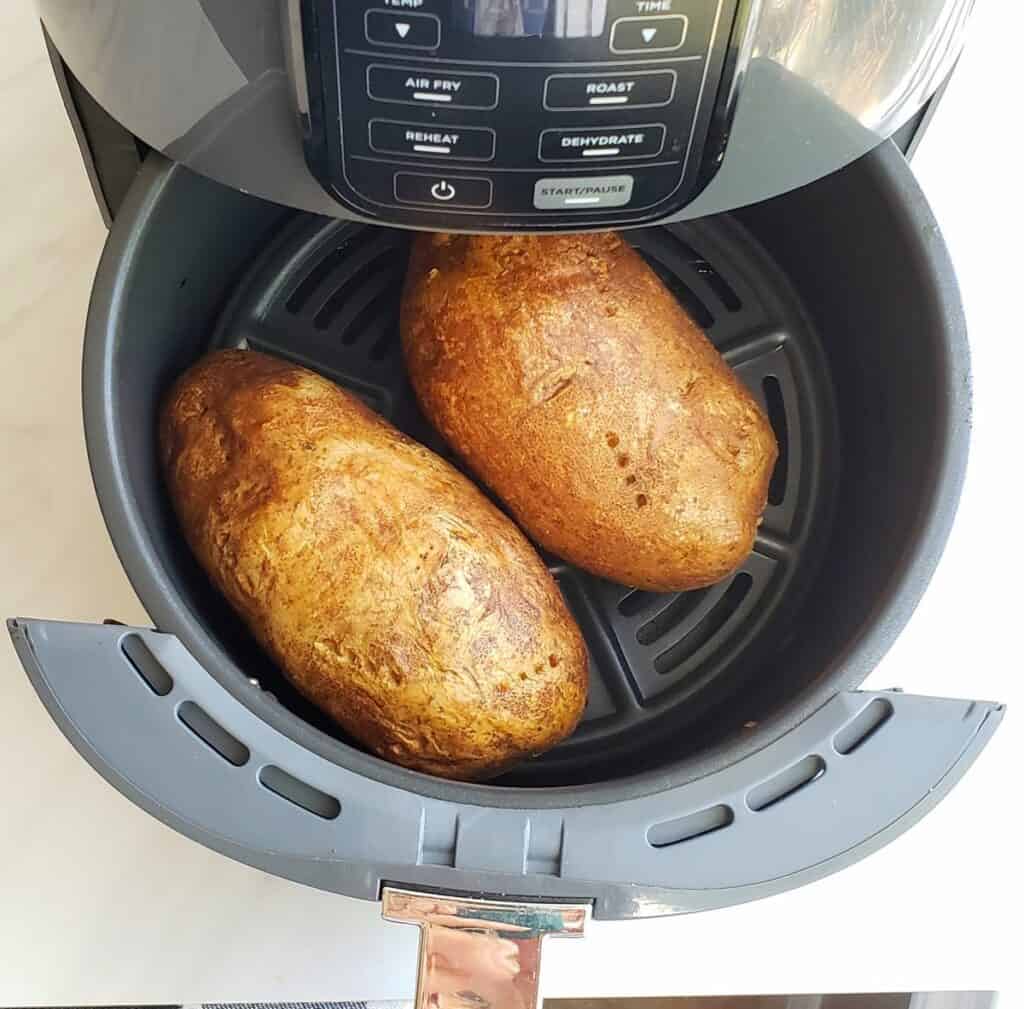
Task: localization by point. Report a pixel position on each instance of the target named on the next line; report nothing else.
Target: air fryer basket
(726, 753)
(326, 294)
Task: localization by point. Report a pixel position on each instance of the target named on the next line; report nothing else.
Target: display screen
(532, 18)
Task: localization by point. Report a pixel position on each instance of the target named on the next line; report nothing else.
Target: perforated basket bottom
(326, 294)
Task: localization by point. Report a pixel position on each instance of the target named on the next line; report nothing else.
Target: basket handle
(476, 954)
(232, 770)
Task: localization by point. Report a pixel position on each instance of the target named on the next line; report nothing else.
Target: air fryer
(726, 752)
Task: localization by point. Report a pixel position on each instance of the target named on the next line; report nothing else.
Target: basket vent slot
(776, 406)
(863, 726)
(316, 276)
(146, 664)
(377, 269)
(686, 255)
(216, 737)
(672, 260)
(713, 622)
(690, 827)
(725, 294)
(786, 783)
(671, 616)
(374, 317)
(298, 793)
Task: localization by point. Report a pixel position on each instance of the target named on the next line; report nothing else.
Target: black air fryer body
(726, 752)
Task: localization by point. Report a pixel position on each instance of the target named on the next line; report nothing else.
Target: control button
(583, 194)
(412, 86)
(649, 35)
(397, 28)
(440, 191)
(611, 142)
(645, 89)
(467, 143)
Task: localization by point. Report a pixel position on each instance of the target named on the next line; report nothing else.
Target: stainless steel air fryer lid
(499, 114)
(750, 765)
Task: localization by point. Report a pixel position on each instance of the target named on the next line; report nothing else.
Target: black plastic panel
(574, 120)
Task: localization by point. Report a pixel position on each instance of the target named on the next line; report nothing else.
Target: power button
(469, 192)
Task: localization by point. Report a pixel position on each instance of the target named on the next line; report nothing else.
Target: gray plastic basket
(727, 771)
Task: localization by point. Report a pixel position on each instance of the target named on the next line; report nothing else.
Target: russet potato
(576, 387)
(390, 591)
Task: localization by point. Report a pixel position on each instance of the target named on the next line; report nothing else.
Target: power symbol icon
(442, 190)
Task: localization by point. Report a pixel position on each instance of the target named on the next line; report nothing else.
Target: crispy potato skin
(575, 386)
(392, 593)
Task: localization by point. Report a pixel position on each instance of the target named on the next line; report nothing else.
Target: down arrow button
(649, 35)
(403, 30)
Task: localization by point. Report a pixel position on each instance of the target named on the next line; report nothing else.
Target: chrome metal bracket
(480, 954)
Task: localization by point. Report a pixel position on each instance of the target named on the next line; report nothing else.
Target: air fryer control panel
(514, 114)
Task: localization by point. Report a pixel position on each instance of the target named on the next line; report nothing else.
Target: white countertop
(100, 903)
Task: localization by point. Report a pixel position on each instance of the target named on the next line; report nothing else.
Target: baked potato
(576, 387)
(390, 591)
